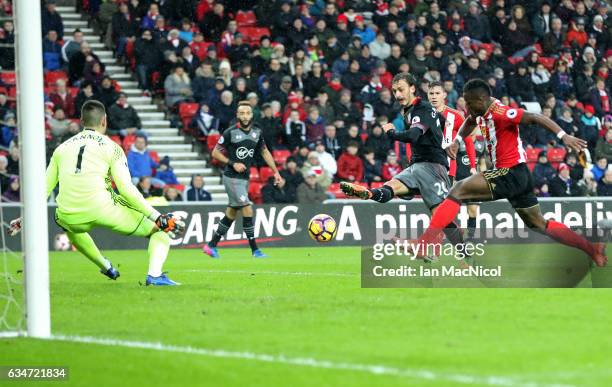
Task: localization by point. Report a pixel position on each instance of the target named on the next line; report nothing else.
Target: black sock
(249, 230)
(453, 233)
(382, 194)
(471, 226)
(224, 225)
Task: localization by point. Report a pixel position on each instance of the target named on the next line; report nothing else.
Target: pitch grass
(307, 303)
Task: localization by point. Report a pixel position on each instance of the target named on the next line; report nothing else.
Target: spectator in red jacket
(350, 166)
(62, 98)
(576, 33)
(391, 167)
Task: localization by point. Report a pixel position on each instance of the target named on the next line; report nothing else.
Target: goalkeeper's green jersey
(83, 166)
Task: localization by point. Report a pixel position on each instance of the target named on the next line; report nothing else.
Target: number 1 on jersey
(80, 159)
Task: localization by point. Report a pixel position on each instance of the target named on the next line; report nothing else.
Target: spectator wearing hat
(342, 31)
(51, 20)
(313, 164)
(604, 187)
(310, 191)
(589, 127)
(562, 185)
(148, 58)
(204, 122)
(123, 119)
(165, 173)
(278, 193)
(366, 33)
(350, 165)
(543, 171)
(576, 33)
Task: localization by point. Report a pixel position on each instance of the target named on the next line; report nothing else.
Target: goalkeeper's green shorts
(116, 216)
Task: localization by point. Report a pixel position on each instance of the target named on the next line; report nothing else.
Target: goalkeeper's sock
(224, 225)
(563, 234)
(249, 230)
(159, 245)
(86, 246)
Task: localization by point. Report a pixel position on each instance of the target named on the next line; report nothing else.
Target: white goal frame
(30, 104)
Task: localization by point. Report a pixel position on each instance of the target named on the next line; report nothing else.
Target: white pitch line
(300, 273)
(375, 369)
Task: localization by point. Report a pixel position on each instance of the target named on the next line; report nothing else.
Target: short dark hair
(92, 113)
(406, 77)
(244, 103)
(436, 83)
(478, 86)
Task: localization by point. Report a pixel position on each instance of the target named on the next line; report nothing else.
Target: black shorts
(514, 184)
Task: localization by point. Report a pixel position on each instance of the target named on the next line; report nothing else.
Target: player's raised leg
(210, 248)
(381, 195)
(86, 246)
(533, 219)
(474, 187)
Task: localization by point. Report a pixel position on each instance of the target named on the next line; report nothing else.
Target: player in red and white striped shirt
(453, 119)
(511, 179)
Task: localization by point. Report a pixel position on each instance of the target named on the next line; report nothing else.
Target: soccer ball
(61, 242)
(322, 228)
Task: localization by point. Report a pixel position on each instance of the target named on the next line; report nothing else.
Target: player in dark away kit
(241, 141)
(427, 173)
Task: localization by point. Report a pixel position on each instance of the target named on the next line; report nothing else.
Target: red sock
(563, 234)
(442, 217)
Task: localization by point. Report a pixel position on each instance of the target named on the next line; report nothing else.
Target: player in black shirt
(240, 141)
(427, 173)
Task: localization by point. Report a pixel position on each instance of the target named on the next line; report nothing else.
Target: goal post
(30, 105)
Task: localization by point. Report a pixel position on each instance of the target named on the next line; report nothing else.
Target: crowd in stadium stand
(318, 75)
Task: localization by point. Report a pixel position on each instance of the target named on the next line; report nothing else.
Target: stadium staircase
(163, 139)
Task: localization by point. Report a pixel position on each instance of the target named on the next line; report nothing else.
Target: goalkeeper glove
(171, 225)
(14, 227)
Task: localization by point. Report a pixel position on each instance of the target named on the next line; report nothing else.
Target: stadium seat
(212, 140)
(254, 34)
(514, 60)
(377, 184)
(532, 154)
(179, 187)
(255, 192)
(187, 109)
(531, 165)
(53, 76)
(488, 47)
(74, 91)
(556, 155)
(280, 156)
(200, 49)
(265, 173)
(254, 174)
(334, 188)
(116, 139)
(364, 137)
(8, 77)
(154, 156)
(128, 141)
(549, 63)
(246, 19)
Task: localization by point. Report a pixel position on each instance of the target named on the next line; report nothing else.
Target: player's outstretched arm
(577, 144)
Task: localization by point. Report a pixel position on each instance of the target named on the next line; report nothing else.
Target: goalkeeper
(83, 166)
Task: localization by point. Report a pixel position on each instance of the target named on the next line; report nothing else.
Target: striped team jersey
(499, 126)
(453, 119)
